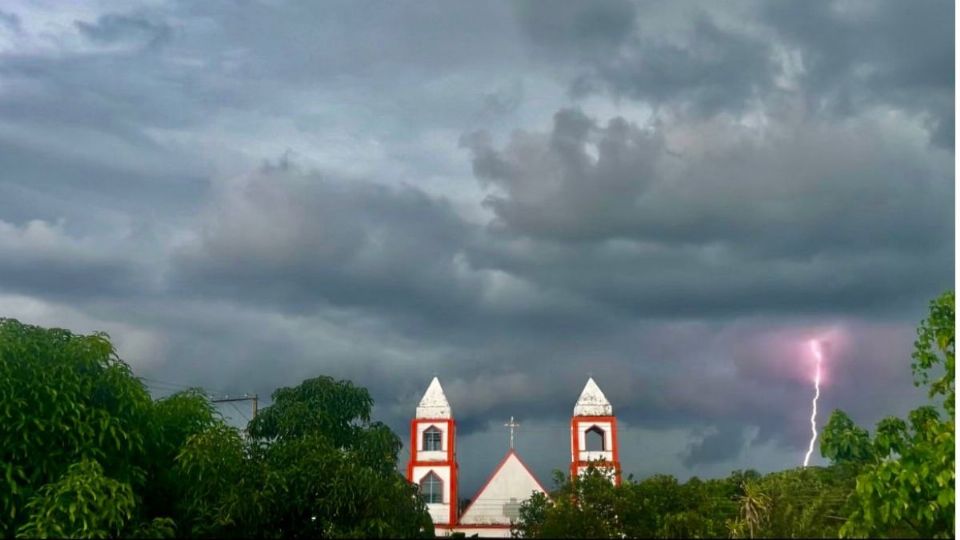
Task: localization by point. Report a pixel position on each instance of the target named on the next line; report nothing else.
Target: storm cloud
(672, 197)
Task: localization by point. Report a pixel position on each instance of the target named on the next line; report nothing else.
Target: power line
(168, 383)
(234, 405)
(169, 386)
(231, 400)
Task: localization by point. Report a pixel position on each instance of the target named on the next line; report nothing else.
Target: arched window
(432, 439)
(431, 488)
(596, 440)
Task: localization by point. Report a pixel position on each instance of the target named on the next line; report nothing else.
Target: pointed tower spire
(592, 402)
(434, 403)
(433, 457)
(593, 434)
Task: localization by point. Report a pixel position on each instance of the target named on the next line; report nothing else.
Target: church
(433, 463)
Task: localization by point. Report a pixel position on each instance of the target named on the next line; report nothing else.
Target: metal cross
(511, 424)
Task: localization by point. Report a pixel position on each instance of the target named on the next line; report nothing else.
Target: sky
(671, 197)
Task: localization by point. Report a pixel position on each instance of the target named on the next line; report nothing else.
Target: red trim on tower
(449, 463)
(575, 448)
(451, 458)
(616, 453)
(576, 463)
(413, 450)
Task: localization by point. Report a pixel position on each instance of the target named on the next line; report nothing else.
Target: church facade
(433, 463)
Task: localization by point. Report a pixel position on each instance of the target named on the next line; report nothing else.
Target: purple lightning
(815, 346)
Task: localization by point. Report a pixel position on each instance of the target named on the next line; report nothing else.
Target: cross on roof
(512, 425)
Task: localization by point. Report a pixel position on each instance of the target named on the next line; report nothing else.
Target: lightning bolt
(815, 346)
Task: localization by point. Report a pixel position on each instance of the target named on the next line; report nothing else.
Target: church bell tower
(433, 458)
(593, 434)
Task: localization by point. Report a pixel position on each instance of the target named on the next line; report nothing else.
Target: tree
(74, 423)
(173, 420)
(588, 507)
(82, 504)
(314, 465)
(659, 506)
(754, 505)
(905, 484)
(806, 502)
(85, 452)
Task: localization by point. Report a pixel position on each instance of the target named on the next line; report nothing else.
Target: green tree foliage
(314, 465)
(75, 423)
(659, 506)
(754, 508)
(810, 502)
(84, 503)
(905, 485)
(665, 508)
(173, 421)
(85, 452)
(586, 508)
(797, 503)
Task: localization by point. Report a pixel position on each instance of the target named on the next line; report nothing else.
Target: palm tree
(754, 505)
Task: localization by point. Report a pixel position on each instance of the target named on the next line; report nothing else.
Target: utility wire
(173, 386)
(234, 405)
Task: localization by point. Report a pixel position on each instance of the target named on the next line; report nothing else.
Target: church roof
(498, 501)
(592, 402)
(434, 403)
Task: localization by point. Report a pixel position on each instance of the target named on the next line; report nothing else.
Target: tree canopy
(906, 480)
(803, 502)
(85, 452)
(313, 465)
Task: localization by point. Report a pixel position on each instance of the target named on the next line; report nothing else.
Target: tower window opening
(596, 440)
(431, 488)
(432, 439)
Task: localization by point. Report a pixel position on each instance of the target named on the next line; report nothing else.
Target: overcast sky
(671, 196)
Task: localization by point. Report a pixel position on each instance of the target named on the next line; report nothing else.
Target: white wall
(444, 441)
(512, 481)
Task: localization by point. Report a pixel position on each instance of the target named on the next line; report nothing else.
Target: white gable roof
(434, 403)
(592, 402)
(499, 499)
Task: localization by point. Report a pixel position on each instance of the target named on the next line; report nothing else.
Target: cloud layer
(672, 197)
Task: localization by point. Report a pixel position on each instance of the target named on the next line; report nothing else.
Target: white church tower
(433, 457)
(593, 434)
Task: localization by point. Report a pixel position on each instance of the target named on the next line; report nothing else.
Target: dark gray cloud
(39, 258)
(860, 54)
(716, 446)
(300, 240)
(783, 188)
(580, 30)
(672, 197)
(114, 28)
(697, 58)
(716, 71)
(728, 219)
(621, 48)
(10, 21)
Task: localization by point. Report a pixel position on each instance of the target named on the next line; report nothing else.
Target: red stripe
(450, 463)
(576, 462)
